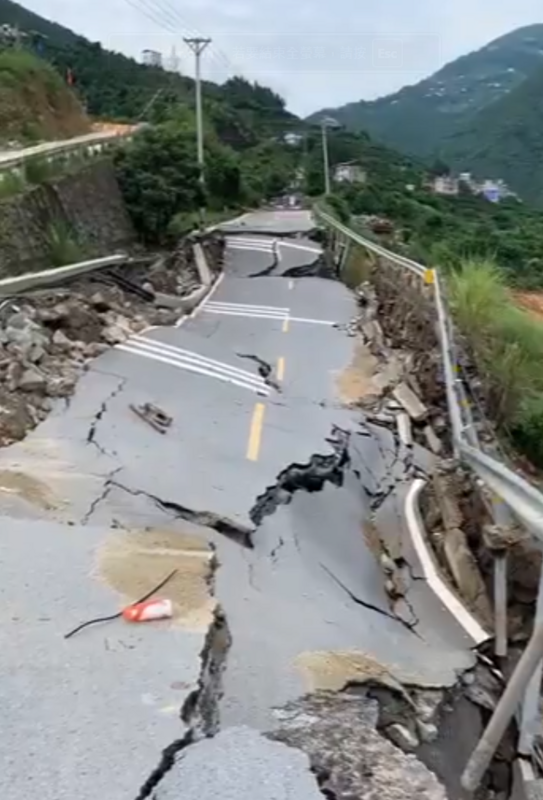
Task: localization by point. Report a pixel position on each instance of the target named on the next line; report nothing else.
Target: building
(349, 172)
(294, 139)
(152, 58)
(445, 184)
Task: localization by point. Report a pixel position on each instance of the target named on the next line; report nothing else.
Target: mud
(132, 562)
(28, 488)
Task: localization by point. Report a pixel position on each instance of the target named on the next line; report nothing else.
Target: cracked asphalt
(271, 472)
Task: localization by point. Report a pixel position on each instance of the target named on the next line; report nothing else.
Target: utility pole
(325, 158)
(198, 45)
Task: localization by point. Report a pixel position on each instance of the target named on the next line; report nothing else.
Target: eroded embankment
(49, 337)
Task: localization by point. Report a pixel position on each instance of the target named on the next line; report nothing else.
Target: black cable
(120, 613)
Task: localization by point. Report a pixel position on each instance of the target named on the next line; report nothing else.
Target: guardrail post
(530, 707)
(504, 712)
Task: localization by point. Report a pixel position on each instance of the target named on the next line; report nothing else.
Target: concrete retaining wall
(87, 203)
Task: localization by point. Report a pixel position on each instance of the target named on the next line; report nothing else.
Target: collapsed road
(289, 669)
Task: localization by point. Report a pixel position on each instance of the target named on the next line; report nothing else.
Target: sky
(316, 53)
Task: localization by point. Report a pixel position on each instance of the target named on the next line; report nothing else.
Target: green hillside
(35, 103)
(505, 141)
(418, 118)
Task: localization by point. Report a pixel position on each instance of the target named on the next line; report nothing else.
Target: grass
(11, 183)
(64, 247)
(506, 344)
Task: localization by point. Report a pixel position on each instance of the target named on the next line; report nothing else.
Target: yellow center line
(253, 447)
(280, 371)
(285, 325)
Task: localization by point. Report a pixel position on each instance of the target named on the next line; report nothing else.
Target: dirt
(531, 302)
(133, 562)
(356, 381)
(333, 671)
(27, 487)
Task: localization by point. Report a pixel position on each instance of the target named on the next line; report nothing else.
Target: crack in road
(200, 711)
(265, 370)
(101, 497)
(370, 606)
(310, 477)
(91, 434)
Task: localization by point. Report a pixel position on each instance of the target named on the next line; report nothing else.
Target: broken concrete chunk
(466, 574)
(31, 380)
(404, 429)
(433, 441)
(427, 731)
(13, 375)
(60, 339)
(409, 400)
(402, 737)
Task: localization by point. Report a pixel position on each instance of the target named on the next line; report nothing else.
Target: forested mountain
(418, 118)
(505, 140)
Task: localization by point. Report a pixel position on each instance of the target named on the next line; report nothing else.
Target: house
(445, 184)
(293, 139)
(349, 172)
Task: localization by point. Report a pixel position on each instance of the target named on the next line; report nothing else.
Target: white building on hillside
(349, 172)
(152, 58)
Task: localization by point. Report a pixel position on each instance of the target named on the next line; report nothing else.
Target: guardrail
(521, 498)
(15, 158)
(50, 277)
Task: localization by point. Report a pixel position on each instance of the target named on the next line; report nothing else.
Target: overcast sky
(316, 53)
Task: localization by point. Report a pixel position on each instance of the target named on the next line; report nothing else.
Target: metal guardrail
(50, 277)
(10, 160)
(519, 497)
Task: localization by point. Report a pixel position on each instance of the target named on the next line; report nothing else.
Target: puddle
(28, 488)
(132, 563)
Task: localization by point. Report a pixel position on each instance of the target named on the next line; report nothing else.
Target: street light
(326, 122)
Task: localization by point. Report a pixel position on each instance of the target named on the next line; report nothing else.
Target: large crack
(200, 711)
(240, 534)
(310, 477)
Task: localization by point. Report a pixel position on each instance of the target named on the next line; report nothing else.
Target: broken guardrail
(50, 277)
(518, 496)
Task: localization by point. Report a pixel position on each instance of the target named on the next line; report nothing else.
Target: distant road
(9, 158)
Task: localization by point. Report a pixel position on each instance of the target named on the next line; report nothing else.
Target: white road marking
(303, 247)
(193, 362)
(202, 303)
(251, 248)
(434, 580)
(243, 306)
(231, 312)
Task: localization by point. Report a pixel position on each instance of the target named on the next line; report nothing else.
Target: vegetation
(64, 247)
(505, 140)
(435, 230)
(35, 102)
(418, 118)
(507, 347)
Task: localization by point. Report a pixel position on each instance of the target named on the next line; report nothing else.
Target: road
(254, 495)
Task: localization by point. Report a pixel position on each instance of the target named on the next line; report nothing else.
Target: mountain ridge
(417, 118)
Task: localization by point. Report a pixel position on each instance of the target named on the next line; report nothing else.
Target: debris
(434, 442)
(405, 433)
(150, 610)
(153, 415)
(119, 614)
(402, 737)
(409, 400)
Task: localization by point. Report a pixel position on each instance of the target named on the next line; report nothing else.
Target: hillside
(417, 118)
(116, 87)
(35, 103)
(505, 140)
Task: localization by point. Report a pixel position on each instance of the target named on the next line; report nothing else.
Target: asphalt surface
(251, 383)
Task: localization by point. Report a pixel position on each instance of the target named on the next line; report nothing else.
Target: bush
(64, 247)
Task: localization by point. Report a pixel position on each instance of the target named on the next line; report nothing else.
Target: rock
(114, 334)
(409, 400)
(402, 737)
(95, 349)
(13, 375)
(427, 731)
(61, 386)
(36, 353)
(434, 442)
(19, 320)
(466, 574)
(99, 302)
(405, 433)
(32, 380)
(60, 339)
(427, 702)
